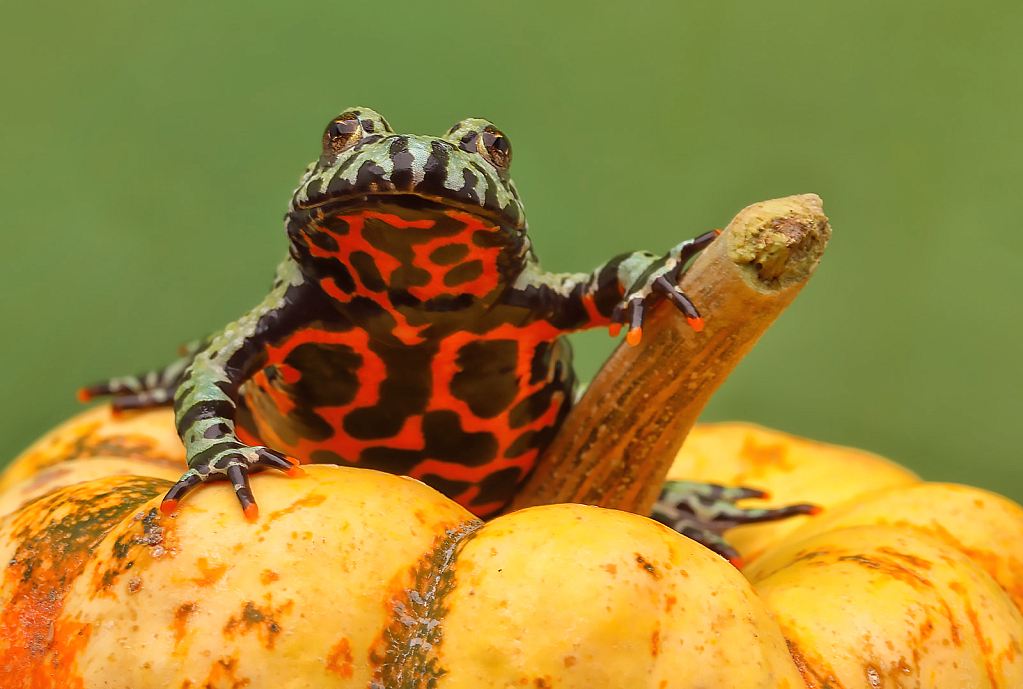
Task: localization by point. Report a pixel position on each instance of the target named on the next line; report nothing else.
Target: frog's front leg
(206, 401)
(621, 290)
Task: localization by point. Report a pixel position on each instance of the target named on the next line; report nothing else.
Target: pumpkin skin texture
(94, 444)
(354, 578)
(791, 469)
(589, 597)
(985, 527)
(875, 606)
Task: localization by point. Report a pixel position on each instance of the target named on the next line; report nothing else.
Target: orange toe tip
(695, 323)
(169, 506)
(614, 329)
(295, 472)
(765, 495)
(817, 509)
(634, 336)
(83, 395)
(718, 231)
(251, 512)
(737, 562)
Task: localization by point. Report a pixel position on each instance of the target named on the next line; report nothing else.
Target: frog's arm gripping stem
(618, 291)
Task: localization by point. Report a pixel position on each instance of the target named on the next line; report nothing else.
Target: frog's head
(363, 160)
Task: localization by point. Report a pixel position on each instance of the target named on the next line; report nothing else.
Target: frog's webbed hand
(205, 403)
(151, 389)
(704, 511)
(619, 291)
(656, 280)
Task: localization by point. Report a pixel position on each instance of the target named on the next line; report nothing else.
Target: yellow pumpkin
(352, 578)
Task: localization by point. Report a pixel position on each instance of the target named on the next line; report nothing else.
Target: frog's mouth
(425, 204)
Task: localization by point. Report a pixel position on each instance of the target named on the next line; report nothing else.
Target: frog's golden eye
(494, 146)
(342, 133)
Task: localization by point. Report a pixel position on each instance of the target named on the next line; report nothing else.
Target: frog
(410, 329)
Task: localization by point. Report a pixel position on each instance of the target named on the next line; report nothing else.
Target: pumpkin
(352, 578)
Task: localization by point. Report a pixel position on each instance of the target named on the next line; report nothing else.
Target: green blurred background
(149, 150)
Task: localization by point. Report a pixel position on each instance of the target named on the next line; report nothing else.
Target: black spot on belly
(297, 424)
(446, 441)
(336, 224)
(373, 423)
(322, 240)
(405, 391)
(498, 487)
(389, 459)
(328, 374)
(531, 440)
(327, 457)
(532, 408)
(538, 367)
(366, 268)
(461, 274)
(486, 379)
(449, 254)
(446, 486)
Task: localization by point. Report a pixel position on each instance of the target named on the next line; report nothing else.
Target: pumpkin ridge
(406, 656)
(56, 535)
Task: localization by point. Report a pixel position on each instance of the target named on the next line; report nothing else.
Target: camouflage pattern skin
(410, 329)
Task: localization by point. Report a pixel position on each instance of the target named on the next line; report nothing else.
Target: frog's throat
(345, 202)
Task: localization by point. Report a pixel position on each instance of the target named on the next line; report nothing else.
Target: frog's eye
(342, 133)
(494, 146)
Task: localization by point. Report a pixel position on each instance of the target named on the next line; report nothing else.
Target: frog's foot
(151, 389)
(704, 511)
(660, 281)
(230, 461)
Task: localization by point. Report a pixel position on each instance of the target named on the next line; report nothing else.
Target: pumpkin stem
(619, 441)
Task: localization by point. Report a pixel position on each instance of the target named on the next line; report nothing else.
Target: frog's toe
(704, 511)
(238, 475)
(633, 310)
(185, 484)
(661, 285)
(272, 459)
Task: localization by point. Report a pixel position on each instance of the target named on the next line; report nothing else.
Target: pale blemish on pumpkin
(210, 573)
(764, 458)
(339, 659)
(655, 641)
(669, 603)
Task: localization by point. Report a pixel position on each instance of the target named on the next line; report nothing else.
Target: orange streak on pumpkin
(339, 659)
(56, 538)
(210, 573)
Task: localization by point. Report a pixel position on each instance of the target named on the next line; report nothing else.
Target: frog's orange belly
(467, 414)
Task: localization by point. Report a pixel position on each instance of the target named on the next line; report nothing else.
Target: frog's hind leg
(151, 389)
(704, 511)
